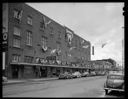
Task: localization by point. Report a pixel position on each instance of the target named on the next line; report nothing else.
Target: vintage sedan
(114, 82)
(92, 73)
(85, 74)
(65, 75)
(76, 74)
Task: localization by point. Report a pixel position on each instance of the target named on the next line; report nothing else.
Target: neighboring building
(101, 65)
(38, 46)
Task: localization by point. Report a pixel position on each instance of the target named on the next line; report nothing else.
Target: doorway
(15, 71)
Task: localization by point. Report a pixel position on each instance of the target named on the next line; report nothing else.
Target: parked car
(76, 75)
(101, 73)
(4, 79)
(114, 82)
(85, 74)
(92, 73)
(65, 75)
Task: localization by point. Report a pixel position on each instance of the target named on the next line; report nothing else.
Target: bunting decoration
(37, 60)
(58, 51)
(86, 46)
(46, 23)
(53, 51)
(82, 41)
(43, 61)
(44, 48)
(18, 14)
(103, 45)
(58, 61)
(71, 48)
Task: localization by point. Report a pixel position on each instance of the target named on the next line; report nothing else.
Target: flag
(85, 46)
(82, 41)
(46, 23)
(92, 50)
(20, 14)
(53, 51)
(71, 48)
(103, 45)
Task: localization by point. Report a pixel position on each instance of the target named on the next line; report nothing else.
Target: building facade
(37, 46)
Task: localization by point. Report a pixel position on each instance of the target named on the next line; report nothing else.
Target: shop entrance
(43, 72)
(15, 70)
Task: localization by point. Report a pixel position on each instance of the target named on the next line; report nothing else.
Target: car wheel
(106, 91)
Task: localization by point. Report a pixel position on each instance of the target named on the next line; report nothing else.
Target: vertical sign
(92, 50)
(3, 54)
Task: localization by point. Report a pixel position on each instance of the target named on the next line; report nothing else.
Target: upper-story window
(59, 35)
(51, 30)
(29, 20)
(17, 31)
(29, 38)
(44, 41)
(18, 14)
(16, 42)
(16, 58)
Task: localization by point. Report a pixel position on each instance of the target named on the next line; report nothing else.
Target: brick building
(37, 46)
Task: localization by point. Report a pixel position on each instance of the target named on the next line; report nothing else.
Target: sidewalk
(18, 81)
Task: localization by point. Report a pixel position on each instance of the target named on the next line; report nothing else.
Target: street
(80, 87)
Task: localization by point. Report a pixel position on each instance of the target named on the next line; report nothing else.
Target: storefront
(27, 70)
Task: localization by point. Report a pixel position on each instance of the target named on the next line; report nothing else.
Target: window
(42, 25)
(29, 20)
(17, 31)
(28, 59)
(59, 35)
(44, 41)
(29, 38)
(16, 42)
(16, 58)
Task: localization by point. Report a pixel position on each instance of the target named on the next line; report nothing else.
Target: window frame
(29, 38)
(29, 20)
(16, 42)
(15, 31)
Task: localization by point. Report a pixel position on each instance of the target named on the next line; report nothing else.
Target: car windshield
(116, 77)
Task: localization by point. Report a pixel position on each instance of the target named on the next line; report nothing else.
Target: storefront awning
(46, 65)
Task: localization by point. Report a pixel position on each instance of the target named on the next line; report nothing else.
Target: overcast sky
(96, 22)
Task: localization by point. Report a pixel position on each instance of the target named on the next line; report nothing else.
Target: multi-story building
(37, 46)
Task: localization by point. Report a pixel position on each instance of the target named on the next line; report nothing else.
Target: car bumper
(114, 89)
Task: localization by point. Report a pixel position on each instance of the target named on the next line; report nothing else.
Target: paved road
(80, 87)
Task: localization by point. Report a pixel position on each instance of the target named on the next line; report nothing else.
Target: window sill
(28, 45)
(16, 47)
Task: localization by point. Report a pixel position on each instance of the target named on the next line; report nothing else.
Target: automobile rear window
(115, 77)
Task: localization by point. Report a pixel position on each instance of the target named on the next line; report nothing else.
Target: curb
(27, 81)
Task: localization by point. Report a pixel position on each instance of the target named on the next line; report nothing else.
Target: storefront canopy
(45, 65)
